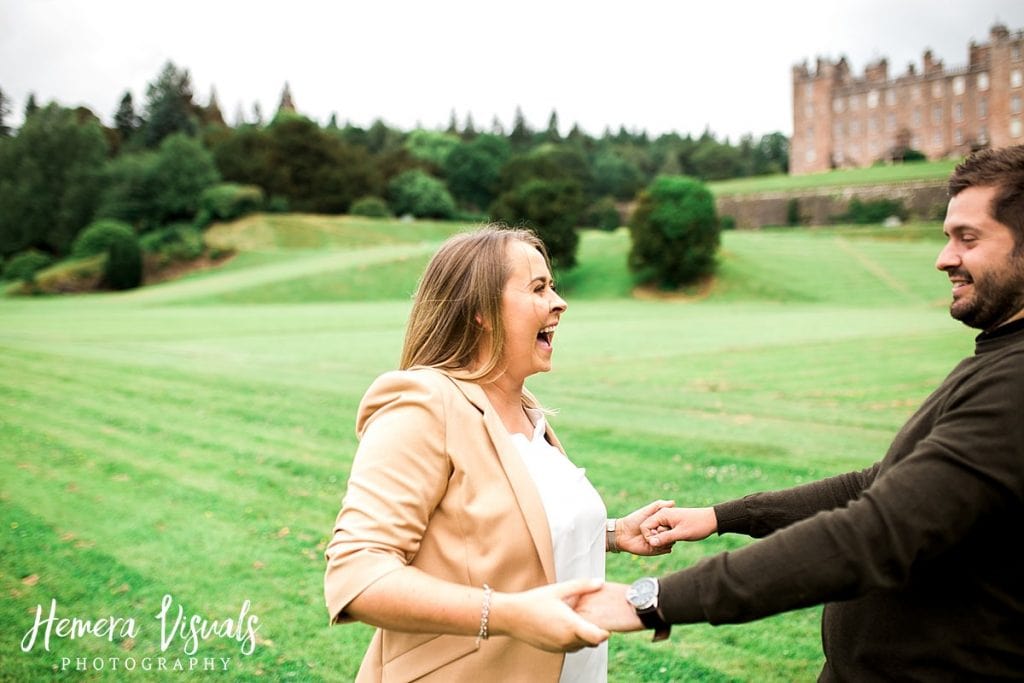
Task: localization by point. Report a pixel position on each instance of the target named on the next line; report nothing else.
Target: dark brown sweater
(918, 557)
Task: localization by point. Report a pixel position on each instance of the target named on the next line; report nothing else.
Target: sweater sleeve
(965, 472)
(759, 514)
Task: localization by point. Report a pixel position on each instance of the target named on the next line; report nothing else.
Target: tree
(615, 176)
(126, 121)
(521, 134)
(552, 208)
(473, 169)
(5, 109)
(30, 106)
(49, 180)
(151, 189)
(315, 170)
(675, 232)
(418, 193)
(552, 135)
(469, 132)
(169, 106)
(431, 146)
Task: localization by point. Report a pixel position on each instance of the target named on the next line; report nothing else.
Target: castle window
(937, 88)
(1015, 104)
(983, 81)
(837, 105)
(958, 111)
(872, 99)
(917, 117)
(982, 108)
(890, 122)
(1015, 128)
(937, 139)
(916, 93)
(890, 97)
(810, 155)
(837, 129)
(1015, 53)
(808, 90)
(915, 142)
(958, 85)
(959, 137)
(873, 124)
(1015, 78)
(983, 135)
(855, 127)
(936, 113)
(854, 103)
(809, 110)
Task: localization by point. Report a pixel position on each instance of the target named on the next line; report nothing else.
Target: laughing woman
(466, 533)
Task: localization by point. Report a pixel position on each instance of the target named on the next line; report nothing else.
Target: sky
(722, 65)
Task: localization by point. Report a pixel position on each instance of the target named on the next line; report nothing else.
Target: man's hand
(668, 525)
(629, 535)
(608, 609)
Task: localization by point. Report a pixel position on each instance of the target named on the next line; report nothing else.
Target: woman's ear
(479, 320)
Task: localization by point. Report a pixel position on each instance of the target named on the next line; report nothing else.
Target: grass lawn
(917, 171)
(193, 439)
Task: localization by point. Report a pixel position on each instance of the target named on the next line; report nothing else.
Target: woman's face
(530, 310)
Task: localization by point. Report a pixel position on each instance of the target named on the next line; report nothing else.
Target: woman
(462, 512)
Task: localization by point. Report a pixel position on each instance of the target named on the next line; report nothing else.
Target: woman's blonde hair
(458, 297)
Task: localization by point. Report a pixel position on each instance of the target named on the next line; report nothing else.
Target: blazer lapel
(518, 476)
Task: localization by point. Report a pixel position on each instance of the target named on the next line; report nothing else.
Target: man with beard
(915, 557)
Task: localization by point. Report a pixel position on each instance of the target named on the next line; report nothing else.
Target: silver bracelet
(485, 613)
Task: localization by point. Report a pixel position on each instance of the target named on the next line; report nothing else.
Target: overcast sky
(658, 66)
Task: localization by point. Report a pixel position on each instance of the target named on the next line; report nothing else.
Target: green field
(917, 171)
(194, 438)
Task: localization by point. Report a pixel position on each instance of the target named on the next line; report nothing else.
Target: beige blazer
(437, 483)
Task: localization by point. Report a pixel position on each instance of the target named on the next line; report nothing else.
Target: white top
(576, 515)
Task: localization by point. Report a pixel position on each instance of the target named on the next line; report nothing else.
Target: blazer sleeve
(399, 475)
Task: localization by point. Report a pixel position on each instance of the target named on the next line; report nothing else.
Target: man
(917, 557)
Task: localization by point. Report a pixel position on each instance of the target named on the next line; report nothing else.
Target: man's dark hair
(1003, 169)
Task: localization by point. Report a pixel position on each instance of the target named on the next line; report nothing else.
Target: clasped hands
(599, 607)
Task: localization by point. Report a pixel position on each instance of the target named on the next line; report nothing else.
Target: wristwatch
(643, 596)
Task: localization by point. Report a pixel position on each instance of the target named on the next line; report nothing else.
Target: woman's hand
(544, 617)
(667, 525)
(630, 537)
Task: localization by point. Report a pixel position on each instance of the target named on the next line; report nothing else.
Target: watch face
(643, 593)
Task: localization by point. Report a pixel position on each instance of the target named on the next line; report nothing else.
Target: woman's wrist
(611, 535)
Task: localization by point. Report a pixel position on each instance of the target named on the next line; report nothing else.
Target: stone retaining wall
(924, 200)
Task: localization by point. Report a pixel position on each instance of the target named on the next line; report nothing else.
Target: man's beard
(997, 297)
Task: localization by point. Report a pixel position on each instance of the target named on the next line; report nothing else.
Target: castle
(840, 121)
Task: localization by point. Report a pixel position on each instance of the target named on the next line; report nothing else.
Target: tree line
(174, 161)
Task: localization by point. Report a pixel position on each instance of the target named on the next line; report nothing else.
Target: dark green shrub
(24, 265)
(123, 269)
(552, 209)
(228, 201)
(602, 215)
(177, 242)
(674, 231)
(726, 223)
(278, 204)
(99, 235)
(374, 207)
(420, 194)
(793, 211)
(872, 211)
(912, 154)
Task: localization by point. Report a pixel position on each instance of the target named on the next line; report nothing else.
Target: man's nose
(947, 258)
